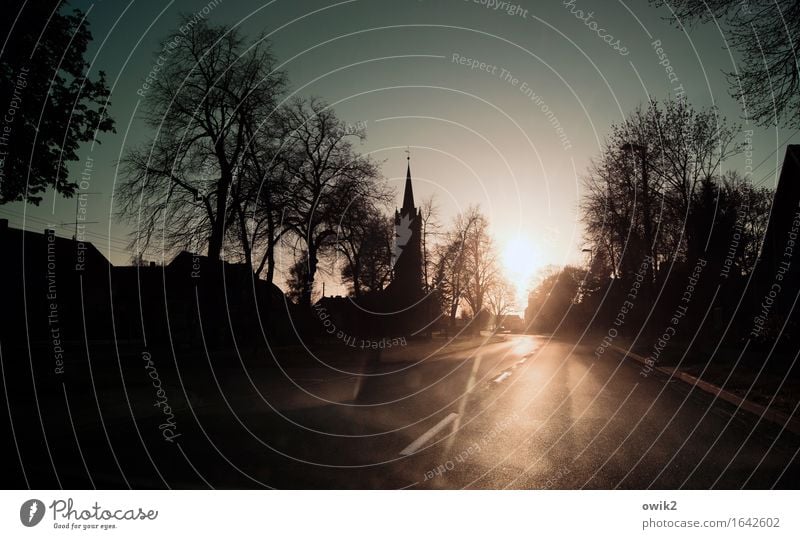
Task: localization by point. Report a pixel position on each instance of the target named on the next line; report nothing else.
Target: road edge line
(781, 419)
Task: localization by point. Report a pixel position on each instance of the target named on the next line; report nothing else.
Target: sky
(503, 107)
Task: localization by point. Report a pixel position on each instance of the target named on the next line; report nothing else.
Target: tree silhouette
(326, 175)
(365, 241)
(297, 281)
(50, 105)
(764, 32)
(554, 299)
(466, 269)
(204, 105)
(501, 299)
(429, 213)
(640, 191)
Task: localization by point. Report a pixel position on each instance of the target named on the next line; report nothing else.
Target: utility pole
(77, 201)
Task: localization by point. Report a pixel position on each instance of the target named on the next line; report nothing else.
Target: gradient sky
(475, 138)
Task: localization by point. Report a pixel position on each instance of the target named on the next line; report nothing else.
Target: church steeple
(408, 195)
(407, 280)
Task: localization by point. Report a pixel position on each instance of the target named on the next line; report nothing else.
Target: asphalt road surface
(528, 412)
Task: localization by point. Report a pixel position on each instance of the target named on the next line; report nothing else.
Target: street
(529, 412)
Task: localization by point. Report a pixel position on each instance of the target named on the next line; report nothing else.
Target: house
(60, 294)
(54, 289)
(776, 280)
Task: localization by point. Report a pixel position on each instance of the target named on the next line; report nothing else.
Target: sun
(521, 261)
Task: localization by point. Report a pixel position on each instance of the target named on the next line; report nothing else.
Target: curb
(781, 419)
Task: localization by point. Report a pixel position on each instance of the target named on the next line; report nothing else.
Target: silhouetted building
(54, 289)
(60, 293)
(785, 210)
(195, 301)
(407, 279)
(403, 308)
(776, 281)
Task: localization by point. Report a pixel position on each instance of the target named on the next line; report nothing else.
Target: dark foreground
(528, 412)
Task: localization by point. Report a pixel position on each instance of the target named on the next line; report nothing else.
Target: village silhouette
(215, 356)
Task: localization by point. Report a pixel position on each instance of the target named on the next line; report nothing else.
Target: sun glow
(521, 261)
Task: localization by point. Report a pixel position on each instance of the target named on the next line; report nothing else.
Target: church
(403, 308)
(407, 282)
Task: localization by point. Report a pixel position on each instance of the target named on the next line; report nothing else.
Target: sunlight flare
(521, 260)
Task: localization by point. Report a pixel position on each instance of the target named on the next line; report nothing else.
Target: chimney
(3, 225)
(152, 264)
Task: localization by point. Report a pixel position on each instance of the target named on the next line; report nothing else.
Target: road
(526, 413)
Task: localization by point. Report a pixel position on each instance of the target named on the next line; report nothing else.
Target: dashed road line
(425, 438)
(503, 376)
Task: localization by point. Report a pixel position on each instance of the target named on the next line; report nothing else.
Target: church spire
(408, 195)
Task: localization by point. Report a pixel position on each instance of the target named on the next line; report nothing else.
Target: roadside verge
(781, 419)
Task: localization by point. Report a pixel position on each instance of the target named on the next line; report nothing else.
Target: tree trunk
(308, 287)
(270, 261)
(218, 228)
(248, 250)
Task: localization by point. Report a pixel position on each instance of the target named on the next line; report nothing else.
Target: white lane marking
(433, 431)
(523, 359)
(503, 376)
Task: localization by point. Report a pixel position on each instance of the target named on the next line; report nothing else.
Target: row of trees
(658, 192)
(465, 272)
(658, 189)
(236, 166)
(241, 168)
(649, 189)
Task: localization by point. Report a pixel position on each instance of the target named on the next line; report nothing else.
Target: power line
(778, 147)
(765, 178)
(38, 220)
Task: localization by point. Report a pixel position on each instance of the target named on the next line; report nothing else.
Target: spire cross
(408, 154)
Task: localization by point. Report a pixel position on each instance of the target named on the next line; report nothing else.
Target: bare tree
(365, 241)
(480, 264)
(265, 186)
(430, 226)
(326, 174)
(448, 271)
(607, 210)
(449, 267)
(501, 298)
(641, 189)
(465, 266)
(751, 206)
(554, 299)
(185, 181)
(764, 32)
